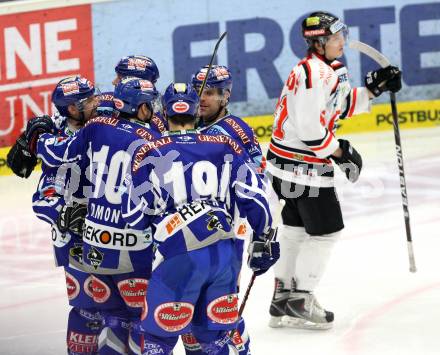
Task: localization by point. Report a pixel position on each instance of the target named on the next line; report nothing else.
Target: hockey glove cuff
(72, 218)
(21, 161)
(263, 254)
(37, 126)
(350, 162)
(384, 79)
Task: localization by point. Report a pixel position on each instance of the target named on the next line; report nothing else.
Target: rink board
(43, 41)
(417, 114)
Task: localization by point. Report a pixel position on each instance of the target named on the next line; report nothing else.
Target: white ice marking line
(32, 83)
(32, 334)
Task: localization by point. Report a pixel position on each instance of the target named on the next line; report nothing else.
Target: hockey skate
(303, 311)
(278, 304)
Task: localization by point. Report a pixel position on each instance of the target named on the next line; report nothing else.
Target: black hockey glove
(37, 126)
(21, 161)
(263, 253)
(384, 79)
(350, 162)
(71, 218)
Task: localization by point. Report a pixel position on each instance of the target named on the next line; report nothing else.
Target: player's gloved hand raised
(384, 79)
(72, 218)
(350, 162)
(37, 126)
(263, 254)
(21, 161)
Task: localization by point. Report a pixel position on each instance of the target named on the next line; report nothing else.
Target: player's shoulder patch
(240, 128)
(146, 148)
(158, 122)
(221, 139)
(107, 96)
(144, 133)
(110, 121)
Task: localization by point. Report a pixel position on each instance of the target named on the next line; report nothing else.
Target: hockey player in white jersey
(316, 94)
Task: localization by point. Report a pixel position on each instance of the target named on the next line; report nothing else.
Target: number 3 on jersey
(280, 117)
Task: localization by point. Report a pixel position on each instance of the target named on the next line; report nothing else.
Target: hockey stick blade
(370, 52)
(210, 62)
(384, 62)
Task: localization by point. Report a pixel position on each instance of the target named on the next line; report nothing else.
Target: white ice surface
(380, 307)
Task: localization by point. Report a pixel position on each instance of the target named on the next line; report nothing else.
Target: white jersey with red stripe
(315, 95)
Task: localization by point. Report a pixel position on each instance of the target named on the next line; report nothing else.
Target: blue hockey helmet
(132, 92)
(180, 99)
(72, 90)
(106, 104)
(219, 77)
(139, 66)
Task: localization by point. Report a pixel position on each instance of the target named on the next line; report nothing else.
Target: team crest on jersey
(133, 291)
(72, 285)
(224, 309)
(95, 257)
(173, 316)
(180, 107)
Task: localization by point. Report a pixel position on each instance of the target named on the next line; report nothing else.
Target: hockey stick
(210, 63)
(384, 62)
(275, 222)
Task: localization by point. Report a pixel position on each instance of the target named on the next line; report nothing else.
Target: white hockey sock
(290, 239)
(313, 259)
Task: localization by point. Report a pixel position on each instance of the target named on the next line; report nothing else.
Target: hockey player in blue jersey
(186, 185)
(119, 257)
(75, 100)
(215, 118)
(137, 66)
